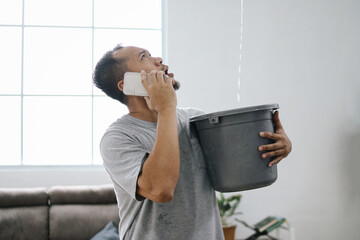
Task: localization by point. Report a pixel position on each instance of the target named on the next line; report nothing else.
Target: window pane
(10, 130)
(127, 14)
(10, 12)
(10, 60)
(57, 61)
(106, 111)
(58, 12)
(57, 130)
(106, 39)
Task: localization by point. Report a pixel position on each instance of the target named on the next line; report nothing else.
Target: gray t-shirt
(192, 214)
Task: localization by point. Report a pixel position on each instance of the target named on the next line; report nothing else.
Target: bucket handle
(214, 119)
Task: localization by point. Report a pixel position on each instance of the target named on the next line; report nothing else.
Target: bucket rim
(201, 117)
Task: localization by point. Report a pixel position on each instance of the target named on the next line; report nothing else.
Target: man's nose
(158, 61)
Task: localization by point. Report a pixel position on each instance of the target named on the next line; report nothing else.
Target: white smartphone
(133, 85)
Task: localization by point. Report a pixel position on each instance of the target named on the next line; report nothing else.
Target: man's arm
(160, 172)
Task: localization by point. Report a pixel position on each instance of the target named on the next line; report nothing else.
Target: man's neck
(149, 117)
(139, 109)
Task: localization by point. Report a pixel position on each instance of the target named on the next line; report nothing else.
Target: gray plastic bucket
(230, 141)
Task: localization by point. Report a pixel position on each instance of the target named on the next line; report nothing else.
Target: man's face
(140, 59)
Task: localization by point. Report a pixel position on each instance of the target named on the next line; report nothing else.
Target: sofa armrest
(24, 213)
(13, 197)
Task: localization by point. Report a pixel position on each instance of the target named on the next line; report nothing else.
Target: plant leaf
(244, 223)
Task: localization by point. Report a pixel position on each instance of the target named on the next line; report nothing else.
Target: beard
(176, 85)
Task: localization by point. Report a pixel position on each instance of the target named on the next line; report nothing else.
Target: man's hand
(162, 95)
(282, 146)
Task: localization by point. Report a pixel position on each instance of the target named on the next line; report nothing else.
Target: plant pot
(229, 232)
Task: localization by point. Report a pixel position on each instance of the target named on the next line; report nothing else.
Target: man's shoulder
(130, 123)
(190, 112)
(119, 128)
(117, 125)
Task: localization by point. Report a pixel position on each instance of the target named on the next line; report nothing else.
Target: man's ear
(120, 85)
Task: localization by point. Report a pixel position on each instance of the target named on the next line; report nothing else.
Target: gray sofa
(56, 213)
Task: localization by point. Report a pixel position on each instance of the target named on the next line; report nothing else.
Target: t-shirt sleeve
(123, 159)
(192, 112)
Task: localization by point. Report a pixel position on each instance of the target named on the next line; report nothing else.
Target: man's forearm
(161, 169)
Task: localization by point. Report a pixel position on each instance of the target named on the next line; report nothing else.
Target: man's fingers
(161, 77)
(275, 161)
(270, 135)
(170, 81)
(269, 147)
(276, 152)
(144, 79)
(153, 77)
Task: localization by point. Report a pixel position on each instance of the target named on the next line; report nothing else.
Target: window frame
(90, 164)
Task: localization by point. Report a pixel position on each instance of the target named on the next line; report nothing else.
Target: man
(154, 161)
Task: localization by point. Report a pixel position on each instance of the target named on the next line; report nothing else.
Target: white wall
(12, 177)
(304, 55)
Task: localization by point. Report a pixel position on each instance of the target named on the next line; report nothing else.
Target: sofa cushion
(80, 221)
(109, 232)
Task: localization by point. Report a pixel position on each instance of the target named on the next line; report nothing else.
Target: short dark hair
(108, 72)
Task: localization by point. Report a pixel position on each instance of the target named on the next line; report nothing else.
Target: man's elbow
(158, 194)
(165, 197)
(163, 194)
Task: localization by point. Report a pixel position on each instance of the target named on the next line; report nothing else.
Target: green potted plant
(227, 207)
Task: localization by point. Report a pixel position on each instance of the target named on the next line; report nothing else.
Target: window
(51, 114)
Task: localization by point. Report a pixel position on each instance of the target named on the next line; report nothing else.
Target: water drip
(240, 48)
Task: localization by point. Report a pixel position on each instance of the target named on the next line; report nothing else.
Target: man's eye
(143, 56)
